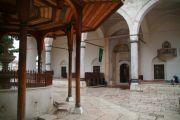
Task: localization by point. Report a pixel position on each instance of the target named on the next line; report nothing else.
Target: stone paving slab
(155, 102)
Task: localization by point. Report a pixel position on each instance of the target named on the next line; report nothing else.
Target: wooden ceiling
(52, 16)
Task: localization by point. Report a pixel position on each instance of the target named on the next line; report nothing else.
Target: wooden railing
(9, 79)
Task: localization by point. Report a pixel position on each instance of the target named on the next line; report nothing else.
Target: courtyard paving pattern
(154, 102)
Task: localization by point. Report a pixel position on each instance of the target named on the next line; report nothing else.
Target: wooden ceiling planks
(49, 14)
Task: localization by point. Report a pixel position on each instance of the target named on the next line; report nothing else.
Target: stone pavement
(154, 102)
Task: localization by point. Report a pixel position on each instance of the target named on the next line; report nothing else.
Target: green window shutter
(100, 54)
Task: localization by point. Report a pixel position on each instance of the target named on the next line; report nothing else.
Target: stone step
(47, 117)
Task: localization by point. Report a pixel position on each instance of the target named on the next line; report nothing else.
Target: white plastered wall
(91, 52)
(166, 29)
(59, 56)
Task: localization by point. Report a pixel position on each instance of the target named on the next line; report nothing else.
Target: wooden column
(70, 49)
(40, 43)
(77, 7)
(78, 51)
(24, 12)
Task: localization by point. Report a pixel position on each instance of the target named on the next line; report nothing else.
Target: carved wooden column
(70, 49)
(23, 14)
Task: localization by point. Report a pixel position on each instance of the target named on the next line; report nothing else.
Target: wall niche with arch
(121, 55)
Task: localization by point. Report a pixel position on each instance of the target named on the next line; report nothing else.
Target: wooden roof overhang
(53, 16)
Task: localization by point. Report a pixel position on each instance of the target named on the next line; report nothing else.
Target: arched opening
(124, 73)
(118, 44)
(161, 39)
(96, 65)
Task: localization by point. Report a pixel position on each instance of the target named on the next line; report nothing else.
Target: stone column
(107, 78)
(134, 63)
(83, 37)
(48, 47)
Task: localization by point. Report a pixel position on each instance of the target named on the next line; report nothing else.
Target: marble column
(48, 47)
(134, 63)
(83, 37)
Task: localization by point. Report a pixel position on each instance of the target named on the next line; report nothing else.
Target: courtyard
(153, 102)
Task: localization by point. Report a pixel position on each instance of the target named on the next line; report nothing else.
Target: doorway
(63, 72)
(124, 73)
(159, 71)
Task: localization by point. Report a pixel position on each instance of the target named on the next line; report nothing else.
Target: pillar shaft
(134, 59)
(82, 74)
(24, 8)
(70, 49)
(48, 47)
(78, 51)
(107, 61)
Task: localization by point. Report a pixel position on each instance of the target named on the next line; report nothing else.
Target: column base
(135, 87)
(69, 99)
(78, 110)
(110, 82)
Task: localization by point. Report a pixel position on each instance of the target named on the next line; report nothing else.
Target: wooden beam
(42, 23)
(23, 14)
(100, 2)
(119, 4)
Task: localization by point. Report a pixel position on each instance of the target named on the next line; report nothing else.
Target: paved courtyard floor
(154, 102)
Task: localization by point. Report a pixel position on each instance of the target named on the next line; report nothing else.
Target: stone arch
(95, 62)
(125, 16)
(100, 32)
(121, 47)
(63, 63)
(124, 24)
(115, 28)
(139, 17)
